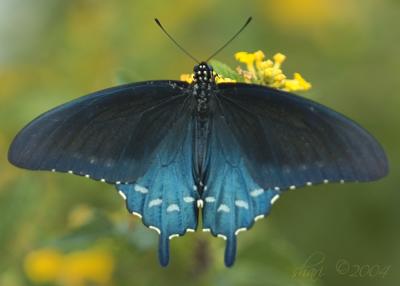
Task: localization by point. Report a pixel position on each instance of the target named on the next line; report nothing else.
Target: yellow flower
(279, 59)
(43, 265)
(221, 79)
(259, 56)
(261, 70)
(248, 59)
(269, 72)
(296, 84)
(77, 268)
(245, 57)
(218, 79)
(90, 265)
(187, 77)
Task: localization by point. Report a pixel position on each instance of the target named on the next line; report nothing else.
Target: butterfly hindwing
(165, 196)
(232, 199)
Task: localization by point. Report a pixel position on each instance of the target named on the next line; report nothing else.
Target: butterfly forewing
(110, 135)
(289, 141)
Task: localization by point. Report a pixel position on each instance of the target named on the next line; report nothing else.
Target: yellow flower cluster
(268, 72)
(218, 78)
(77, 268)
(261, 71)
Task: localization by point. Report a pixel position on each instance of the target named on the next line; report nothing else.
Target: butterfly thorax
(203, 84)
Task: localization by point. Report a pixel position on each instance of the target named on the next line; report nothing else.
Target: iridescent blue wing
(232, 199)
(165, 196)
(137, 136)
(290, 141)
(265, 141)
(109, 135)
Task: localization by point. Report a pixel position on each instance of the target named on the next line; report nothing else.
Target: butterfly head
(203, 73)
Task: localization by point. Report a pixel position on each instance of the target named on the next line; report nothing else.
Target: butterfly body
(174, 149)
(203, 89)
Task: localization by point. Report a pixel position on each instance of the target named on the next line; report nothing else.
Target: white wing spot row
(155, 202)
(223, 208)
(241, 204)
(141, 189)
(188, 199)
(173, 208)
(209, 199)
(256, 192)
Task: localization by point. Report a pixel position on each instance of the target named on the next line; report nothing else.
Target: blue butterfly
(174, 149)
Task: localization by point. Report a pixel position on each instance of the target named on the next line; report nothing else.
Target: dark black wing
(110, 135)
(289, 141)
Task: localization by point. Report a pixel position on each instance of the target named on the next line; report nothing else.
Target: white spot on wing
(190, 230)
(258, 217)
(206, 230)
(309, 184)
(223, 208)
(277, 189)
(240, 230)
(292, 187)
(256, 192)
(242, 204)
(326, 181)
(87, 176)
(103, 180)
(122, 195)
(70, 172)
(221, 236)
(155, 228)
(342, 181)
(53, 170)
(188, 199)
(141, 189)
(173, 208)
(173, 235)
(155, 202)
(274, 199)
(209, 199)
(137, 214)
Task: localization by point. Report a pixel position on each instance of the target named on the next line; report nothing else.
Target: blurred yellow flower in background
(85, 267)
(43, 265)
(89, 265)
(301, 14)
(79, 216)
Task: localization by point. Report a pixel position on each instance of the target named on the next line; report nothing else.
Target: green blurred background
(58, 229)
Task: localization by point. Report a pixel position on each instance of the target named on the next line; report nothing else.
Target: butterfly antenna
(175, 42)
(231, 39)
